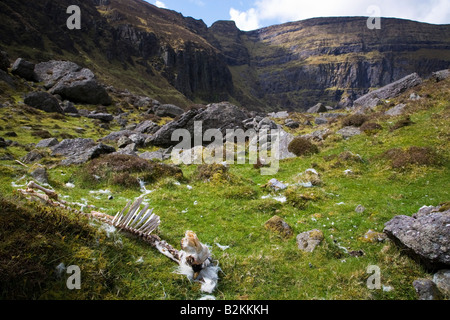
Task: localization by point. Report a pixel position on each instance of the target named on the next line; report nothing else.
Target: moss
(299, 199)
(278, 225)
(444, 206)
(212, 172)
(302, 147)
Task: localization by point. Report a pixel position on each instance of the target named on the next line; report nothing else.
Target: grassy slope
(259, 264)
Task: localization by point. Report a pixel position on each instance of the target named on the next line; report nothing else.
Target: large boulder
(425, 236)
(220, 116)
(147, 127)
(168, 110)
(348, 132)
(318, 108)
(52, 71)
(390, 91)
(78, 151)
(24, 69)
(43, 101)
(82, 87)
(105, 117)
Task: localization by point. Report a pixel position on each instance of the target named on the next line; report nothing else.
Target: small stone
(360, 209)
(308, 241)
(442, 280)
(426, 290)
(278, 225)
(40, 175)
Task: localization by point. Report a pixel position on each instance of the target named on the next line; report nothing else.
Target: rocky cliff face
(134, 45)
(331, 60)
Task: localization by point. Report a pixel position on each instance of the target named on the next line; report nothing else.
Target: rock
(220, 116)
(442, 281)
(3, 143)
(24, 69)
(78, 151)
(32, 156)
(426, 290)
(414, 97)
(374, 237)
(168, 110)
(139, 139)
(43, 101)
(5, 77)
(40, 175)
(276, 185)
(396, 111)
(318, 108)
(279, 115)
(390, 91)
(123, 142)
(426, 238)
(441, 75)
(147, 127)
(47, 143)
(278, 225)
(161, 154)
(82, 87)
(293, 125)
(349, 132)
(320, 121)
(266, 124)
(68, 107)
(52, 71)
(129, 149)
(116, 135)
(105, 117)
(308, 241)
(360, 209)
(318, 135)
(4, 61)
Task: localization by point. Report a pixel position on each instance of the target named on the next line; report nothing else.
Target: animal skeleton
(194, 259)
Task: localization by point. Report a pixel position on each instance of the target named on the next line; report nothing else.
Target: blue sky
(254, 14)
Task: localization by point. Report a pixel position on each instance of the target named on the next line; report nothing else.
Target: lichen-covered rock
(349, 132)
(308, 241)
(426, 237)
(426, 290)
(442, 280)
(51, 72)
(278, 225)
(47, 143)
(78, 151)
(168, 110)
(318, 108)
(390, 91)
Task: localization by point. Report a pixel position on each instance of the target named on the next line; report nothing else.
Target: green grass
(259, 264)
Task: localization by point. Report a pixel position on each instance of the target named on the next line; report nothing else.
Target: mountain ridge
(158, 52)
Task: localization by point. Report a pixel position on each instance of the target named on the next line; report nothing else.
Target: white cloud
(280, 11)
(160, 4)
(245, 20)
